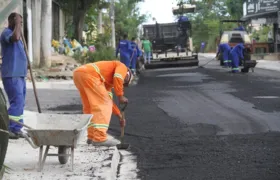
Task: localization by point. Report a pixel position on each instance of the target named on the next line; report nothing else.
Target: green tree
(127, 18)
(79, 10)
(235, 8)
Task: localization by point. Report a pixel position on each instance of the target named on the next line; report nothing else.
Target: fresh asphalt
(196, 123)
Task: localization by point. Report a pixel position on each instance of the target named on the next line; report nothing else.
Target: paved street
(196, 123)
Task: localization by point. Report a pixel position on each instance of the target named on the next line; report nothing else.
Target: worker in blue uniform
(235, 55)
(224, 48)
(14, 71)
(183, 19)
(182, 22)
(125, 50)
(136, 53)
(239, 28)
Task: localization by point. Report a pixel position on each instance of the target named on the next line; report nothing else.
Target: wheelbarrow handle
(28, 139)
(19, 123)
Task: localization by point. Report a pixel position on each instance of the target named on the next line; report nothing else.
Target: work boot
(108, 143)
(20, 134)
(13, 135)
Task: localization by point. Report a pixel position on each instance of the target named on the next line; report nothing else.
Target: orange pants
(96, 101)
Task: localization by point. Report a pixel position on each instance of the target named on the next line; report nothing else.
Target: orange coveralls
(95, 82)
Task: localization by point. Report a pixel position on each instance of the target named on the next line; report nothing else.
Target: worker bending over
(224, 48)
(95, 82)
(13, 72)
(235, 55)
(125, 50)
(136, 53)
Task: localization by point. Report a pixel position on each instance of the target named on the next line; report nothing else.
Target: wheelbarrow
(58, 130)
(247, 65)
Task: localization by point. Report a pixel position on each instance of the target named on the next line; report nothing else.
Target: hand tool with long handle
(122, 128)
(19, 123)
(122, 145)
(202, 66)
(31, 74)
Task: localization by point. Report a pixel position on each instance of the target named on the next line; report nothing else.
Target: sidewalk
(262, 64)
(89, 162)
(62, 85)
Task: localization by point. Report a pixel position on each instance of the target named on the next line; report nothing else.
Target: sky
(159, 10)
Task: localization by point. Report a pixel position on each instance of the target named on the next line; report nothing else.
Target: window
(224, 38)
(236, 38)
(247, 39)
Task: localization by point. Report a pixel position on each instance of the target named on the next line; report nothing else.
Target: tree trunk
(100, 22)
(112, 18)
(46, 33)
(79, 20)
(36, 29)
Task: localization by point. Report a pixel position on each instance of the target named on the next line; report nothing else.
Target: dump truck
(172, 46)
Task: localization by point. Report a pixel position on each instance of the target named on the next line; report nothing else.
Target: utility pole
(112, 17)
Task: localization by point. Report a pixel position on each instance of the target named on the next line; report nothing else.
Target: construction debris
(62, 68)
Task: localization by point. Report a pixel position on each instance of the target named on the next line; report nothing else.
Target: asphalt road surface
(197, 123)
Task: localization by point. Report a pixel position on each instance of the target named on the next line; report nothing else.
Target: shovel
(122, 145)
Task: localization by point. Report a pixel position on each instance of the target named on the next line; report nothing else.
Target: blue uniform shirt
(14, 60)
(137, 52)
(238, 50)
(124, 47)
(183, 19)
(240, 28)
(224, 47)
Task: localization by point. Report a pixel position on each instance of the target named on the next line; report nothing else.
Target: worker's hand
(18, 20)
(123, 100)
(122, 122)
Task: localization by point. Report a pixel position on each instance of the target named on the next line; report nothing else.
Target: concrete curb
(268, 65)
(114, 164)
(67, 85)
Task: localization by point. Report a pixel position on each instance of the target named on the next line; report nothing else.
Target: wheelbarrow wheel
(63, 150)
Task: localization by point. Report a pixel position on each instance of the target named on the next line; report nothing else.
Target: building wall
(6, 8)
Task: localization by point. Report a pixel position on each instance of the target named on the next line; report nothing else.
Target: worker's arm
(219, 50)
(151, 45)
(130, 47)
(241, 49)
(118, 81)
(15, 35)
(139, 53)
(116, 110)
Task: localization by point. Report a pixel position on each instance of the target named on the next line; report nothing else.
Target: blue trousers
(133, 62)
(234, 62)
(227, 62)
(125, 59)
(15, 88)
(147, 56)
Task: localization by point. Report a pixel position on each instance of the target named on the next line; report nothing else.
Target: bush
(104, 53)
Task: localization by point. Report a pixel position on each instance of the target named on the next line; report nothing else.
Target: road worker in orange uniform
(95, 82)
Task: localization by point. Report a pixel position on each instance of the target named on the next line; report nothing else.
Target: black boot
(13, 135)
